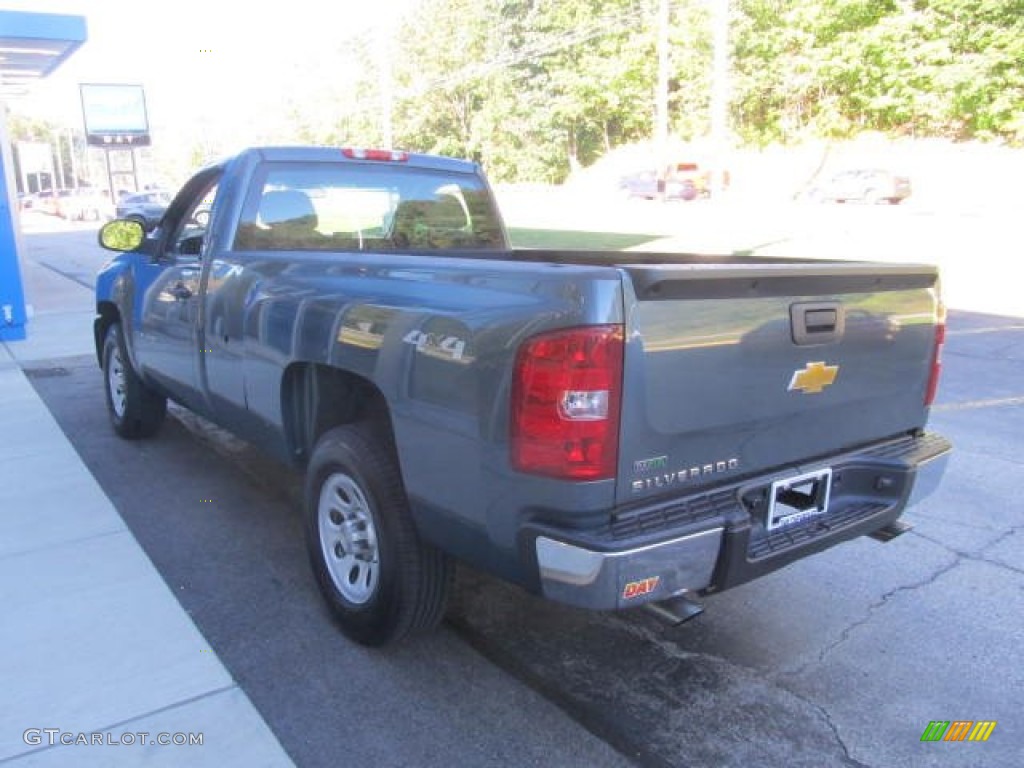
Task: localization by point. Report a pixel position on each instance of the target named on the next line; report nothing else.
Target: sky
(224, 69)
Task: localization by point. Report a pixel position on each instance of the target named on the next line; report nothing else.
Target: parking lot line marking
(977, 331)
(973, 404)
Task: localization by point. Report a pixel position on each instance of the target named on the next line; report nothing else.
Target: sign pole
(110, 176)
(135, 169)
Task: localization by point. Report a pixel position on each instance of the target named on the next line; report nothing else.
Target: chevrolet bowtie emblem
(813, 378)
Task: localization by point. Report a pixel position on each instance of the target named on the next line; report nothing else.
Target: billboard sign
(35, 157)
(115, 115)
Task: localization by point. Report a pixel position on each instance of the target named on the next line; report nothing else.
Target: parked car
(691, 175)
(85, 204)
(147, 208)
(48, 201)
(863, 185)
(644, 185)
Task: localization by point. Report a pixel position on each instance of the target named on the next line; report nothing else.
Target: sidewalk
(94, 647)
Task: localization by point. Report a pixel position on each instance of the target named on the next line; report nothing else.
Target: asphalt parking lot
(841, 659)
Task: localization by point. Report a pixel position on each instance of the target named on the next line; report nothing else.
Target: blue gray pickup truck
(605, 429)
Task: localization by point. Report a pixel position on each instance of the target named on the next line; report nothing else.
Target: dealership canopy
(32, 46)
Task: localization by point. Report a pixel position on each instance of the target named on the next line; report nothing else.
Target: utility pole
(71, 154)
(61, 181)
(720, 90)
(386, 89)
(661, 93)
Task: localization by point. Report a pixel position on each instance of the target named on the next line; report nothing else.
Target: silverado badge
(813, 378)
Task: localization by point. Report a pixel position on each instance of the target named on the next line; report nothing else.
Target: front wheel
(135, 409)
(379, 579)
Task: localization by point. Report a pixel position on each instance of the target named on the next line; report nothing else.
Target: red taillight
(566, 395)
(387, 155)
(936, 369)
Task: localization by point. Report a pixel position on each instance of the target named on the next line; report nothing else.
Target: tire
(379, 579)
(135, 410)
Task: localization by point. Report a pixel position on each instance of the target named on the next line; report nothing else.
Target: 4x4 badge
(813, 378)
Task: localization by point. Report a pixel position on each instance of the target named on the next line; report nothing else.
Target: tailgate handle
(817, 322)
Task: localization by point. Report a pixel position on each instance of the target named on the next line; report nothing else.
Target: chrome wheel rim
(116, 383)
(348, 538)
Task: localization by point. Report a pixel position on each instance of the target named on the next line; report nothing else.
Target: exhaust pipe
(891, 531)
(675, 610)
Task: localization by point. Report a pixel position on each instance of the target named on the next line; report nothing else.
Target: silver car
(863, 185)
(147, 208)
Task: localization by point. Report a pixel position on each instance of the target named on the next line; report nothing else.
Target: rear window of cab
(366, 207)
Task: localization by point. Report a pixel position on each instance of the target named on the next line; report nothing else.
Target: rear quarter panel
(438, 337)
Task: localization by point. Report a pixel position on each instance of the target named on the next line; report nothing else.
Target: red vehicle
(698, 177)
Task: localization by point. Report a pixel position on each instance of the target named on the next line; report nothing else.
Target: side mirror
(122, 235)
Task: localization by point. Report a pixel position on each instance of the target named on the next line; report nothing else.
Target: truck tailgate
(737, 369)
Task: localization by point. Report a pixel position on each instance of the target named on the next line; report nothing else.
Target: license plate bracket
(796, 499)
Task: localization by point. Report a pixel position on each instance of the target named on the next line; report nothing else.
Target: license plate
(799, 498)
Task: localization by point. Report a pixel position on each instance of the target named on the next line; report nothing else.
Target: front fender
(114, 292)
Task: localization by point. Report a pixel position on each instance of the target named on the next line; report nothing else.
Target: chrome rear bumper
(607, 580)
(928, 477)
(606, 570)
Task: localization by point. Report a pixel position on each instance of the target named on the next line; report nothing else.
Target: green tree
(835, 67)
(532, 89)
(25, 128)
(536, 88)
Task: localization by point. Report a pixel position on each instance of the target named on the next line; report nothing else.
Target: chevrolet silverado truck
(605, 429)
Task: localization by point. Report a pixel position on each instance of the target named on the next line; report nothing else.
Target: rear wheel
(135, 409)
(381, 581)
